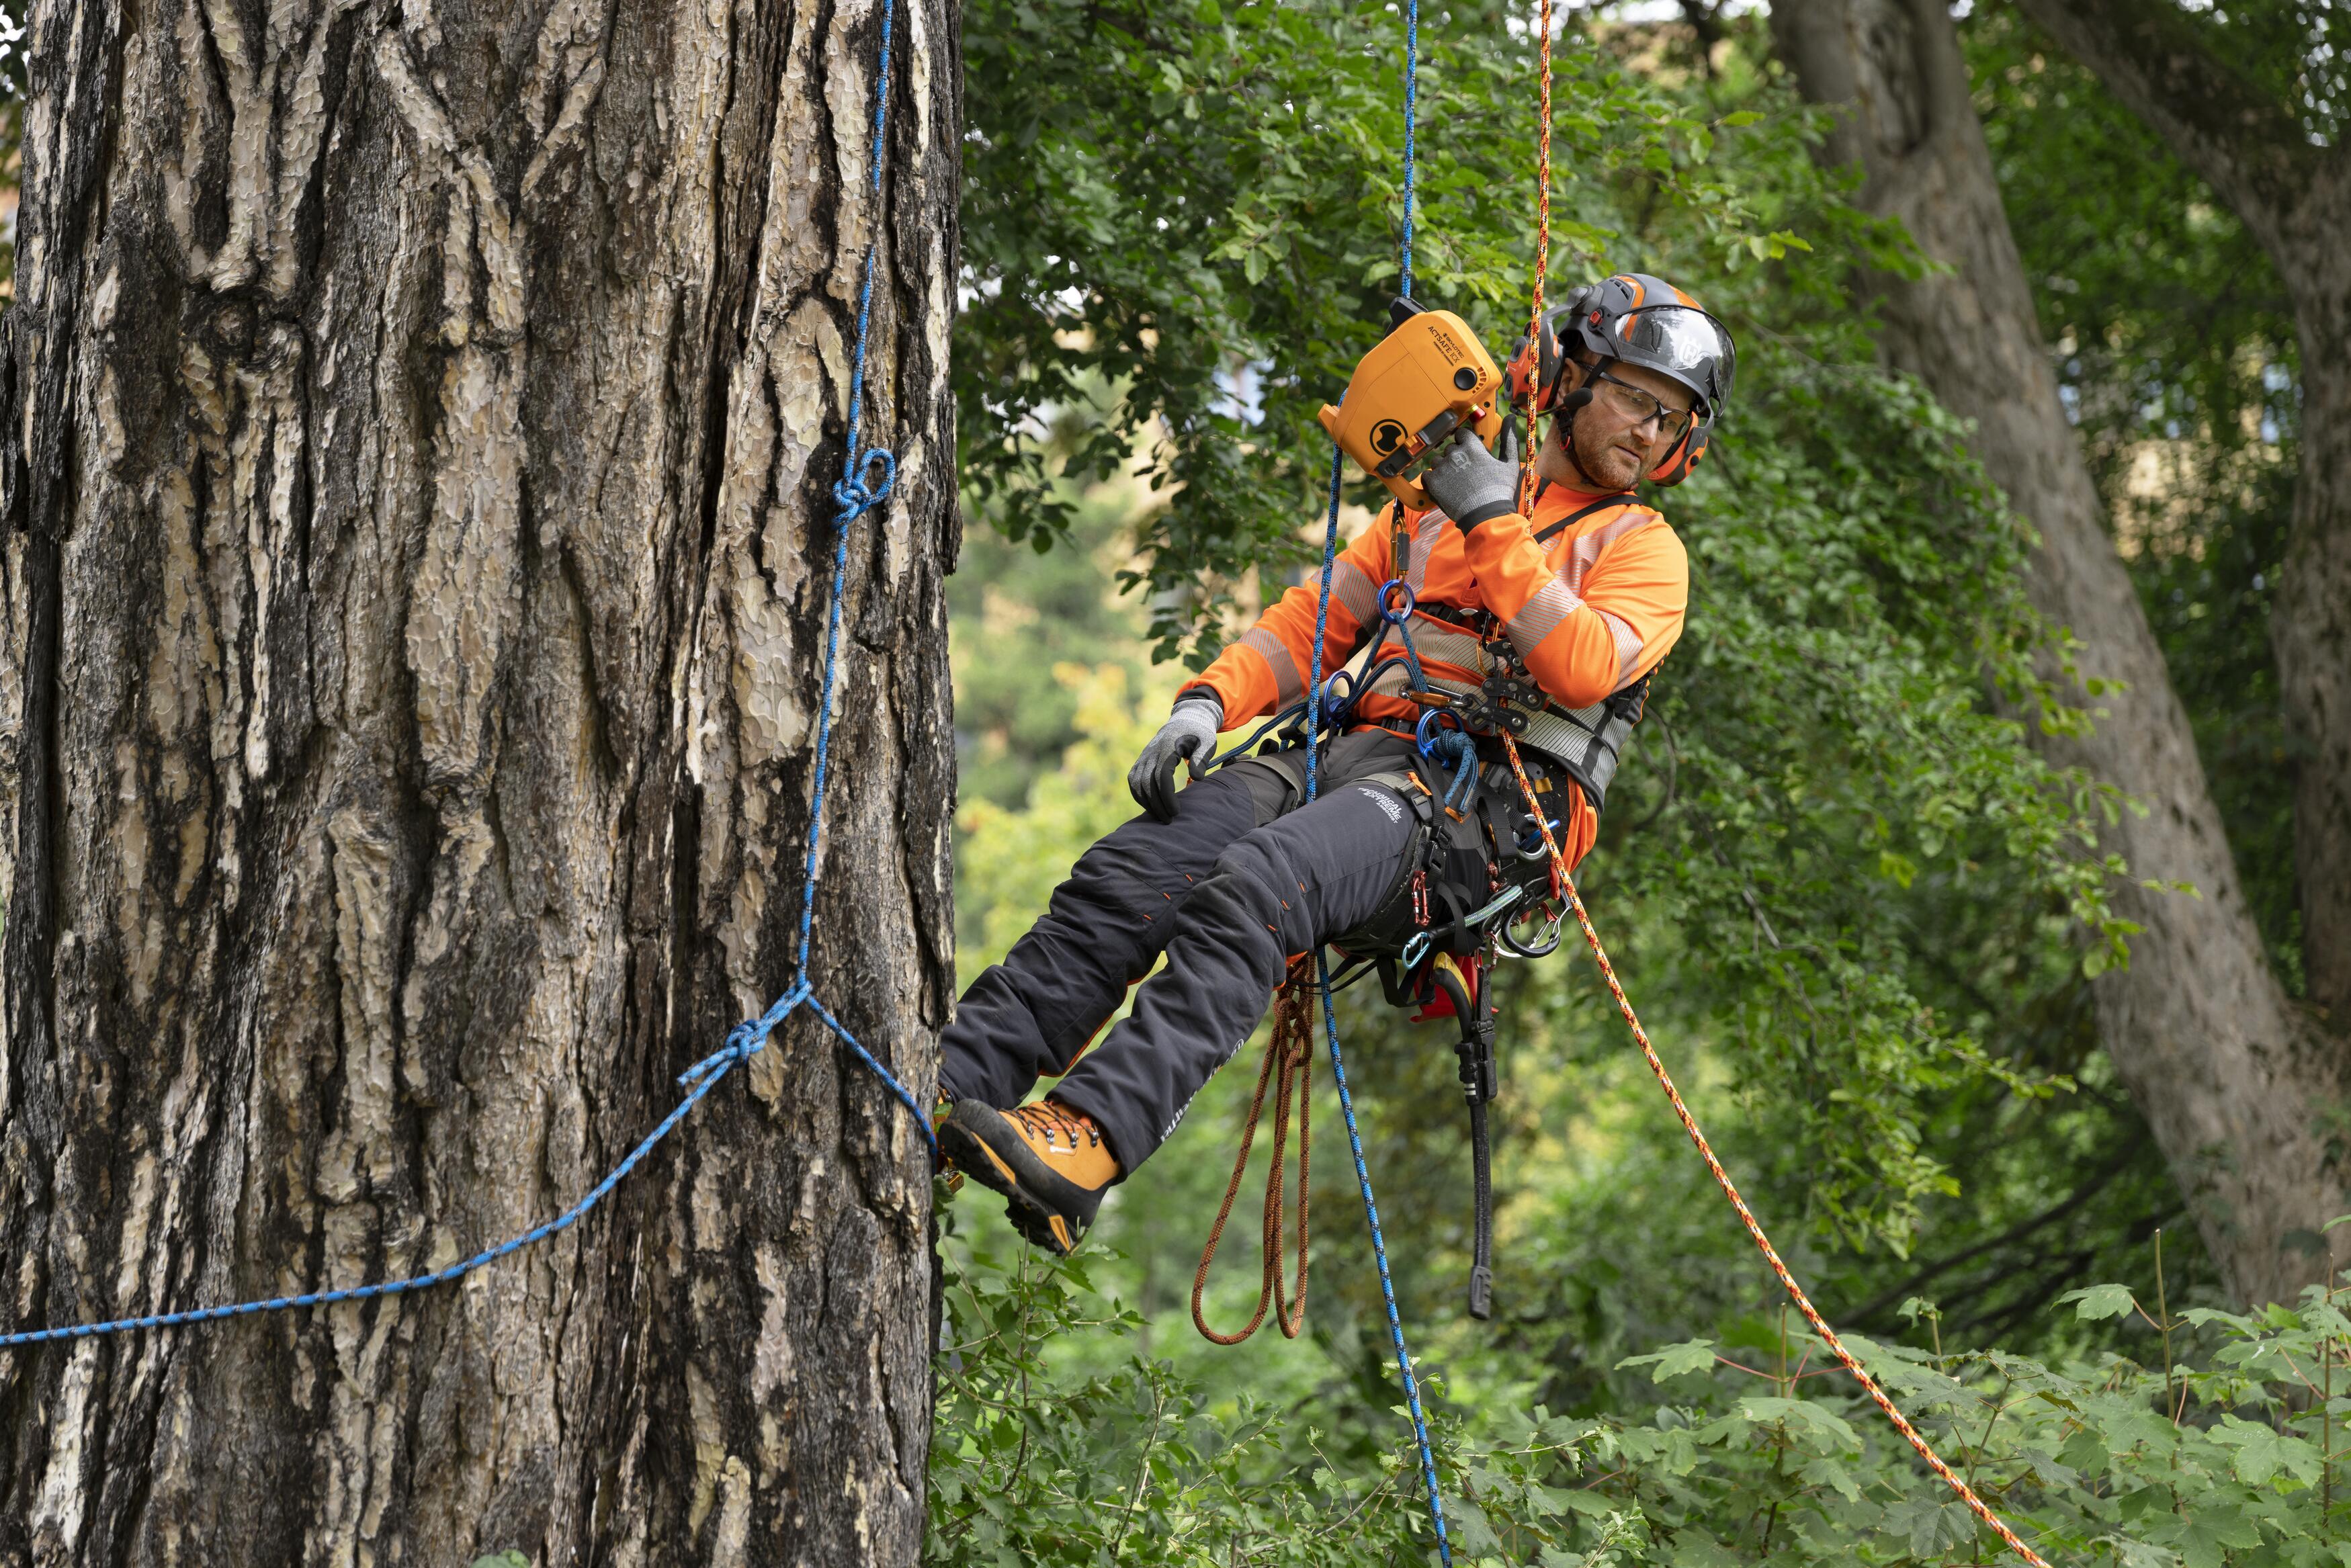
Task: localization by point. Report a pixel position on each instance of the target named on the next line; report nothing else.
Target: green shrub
(2217, 1453)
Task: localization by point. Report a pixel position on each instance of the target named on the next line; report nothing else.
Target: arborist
(1550, 620)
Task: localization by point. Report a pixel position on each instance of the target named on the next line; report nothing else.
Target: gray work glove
(1190, 733)
(1472, 484)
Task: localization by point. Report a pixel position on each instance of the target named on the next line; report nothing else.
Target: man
(1237, 871)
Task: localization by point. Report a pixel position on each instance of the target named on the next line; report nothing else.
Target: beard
(1605, 463)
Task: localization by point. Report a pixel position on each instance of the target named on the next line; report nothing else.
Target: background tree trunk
(2225, 1070)
(2295, 198)
(421, 426)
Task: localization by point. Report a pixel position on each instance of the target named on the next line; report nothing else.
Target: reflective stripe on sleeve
(1553, 602)
(1586, 551)
(1628, 646)
(1288, 685)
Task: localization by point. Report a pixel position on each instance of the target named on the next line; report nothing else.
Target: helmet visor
(1681, 340)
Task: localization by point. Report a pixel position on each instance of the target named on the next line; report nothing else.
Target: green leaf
(2100, 1302)
(1675, 1360)
(1813, 1425)
(1928, 1524)
(2262, 1452)
(2213, 1527)
(1824, 1471)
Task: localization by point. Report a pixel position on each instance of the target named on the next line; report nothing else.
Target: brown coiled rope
(1289, 1065)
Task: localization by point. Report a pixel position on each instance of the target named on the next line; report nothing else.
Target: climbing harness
(1456, 907)
(869, 475)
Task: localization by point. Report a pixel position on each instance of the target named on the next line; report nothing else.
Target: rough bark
(2294, 195)
(422, 421)
(2226, 1072)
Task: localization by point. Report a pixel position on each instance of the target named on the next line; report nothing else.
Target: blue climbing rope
(1380, 1256)
(1322, 958)
(863, 486)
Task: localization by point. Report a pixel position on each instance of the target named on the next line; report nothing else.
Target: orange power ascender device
(1429, 377)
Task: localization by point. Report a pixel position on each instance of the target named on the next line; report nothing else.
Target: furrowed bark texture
(416, 566)
(2296, 197)
(2228, 1073)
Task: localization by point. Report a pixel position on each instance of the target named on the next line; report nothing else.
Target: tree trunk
(420, 429)
(2296, 197)
(2225, 1070)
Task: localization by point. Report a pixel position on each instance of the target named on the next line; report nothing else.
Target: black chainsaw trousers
(1243, 877)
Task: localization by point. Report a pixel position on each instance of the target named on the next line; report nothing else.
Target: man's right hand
(1190, 733)
(1471, 484)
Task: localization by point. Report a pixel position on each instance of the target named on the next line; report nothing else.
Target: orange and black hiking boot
(1047, 1161)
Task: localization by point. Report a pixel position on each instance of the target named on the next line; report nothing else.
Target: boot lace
(1049, 1117)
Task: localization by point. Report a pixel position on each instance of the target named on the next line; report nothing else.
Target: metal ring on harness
(1334, 703)
(1388, 612)
(1538, 949)
(1424, 738)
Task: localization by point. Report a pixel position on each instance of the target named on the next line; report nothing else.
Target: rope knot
(857, 493)
(746, 1038)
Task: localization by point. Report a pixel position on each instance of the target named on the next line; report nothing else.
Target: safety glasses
(1630, 403)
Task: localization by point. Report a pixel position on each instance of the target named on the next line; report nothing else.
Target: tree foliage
(2207, 1447)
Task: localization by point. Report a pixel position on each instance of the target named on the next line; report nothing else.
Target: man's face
(1633, 420)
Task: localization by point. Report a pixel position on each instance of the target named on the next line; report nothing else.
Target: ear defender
(1684, 455)
(1532, 365)
(1536, 359)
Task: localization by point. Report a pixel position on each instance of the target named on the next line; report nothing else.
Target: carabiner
(1546, 942)
(1388, 612)
(1335, 705)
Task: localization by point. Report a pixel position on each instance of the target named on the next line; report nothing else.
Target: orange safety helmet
(1635, 319)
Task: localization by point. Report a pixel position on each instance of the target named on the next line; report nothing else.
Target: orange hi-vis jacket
(1589, 611)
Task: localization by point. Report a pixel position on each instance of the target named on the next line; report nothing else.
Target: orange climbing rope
(1542, 176)
(1967, 1494)
(1289, 1065)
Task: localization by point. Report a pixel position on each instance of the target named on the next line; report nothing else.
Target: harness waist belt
(1588, 743)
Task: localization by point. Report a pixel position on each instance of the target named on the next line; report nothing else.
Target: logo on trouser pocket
(1385, 802)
